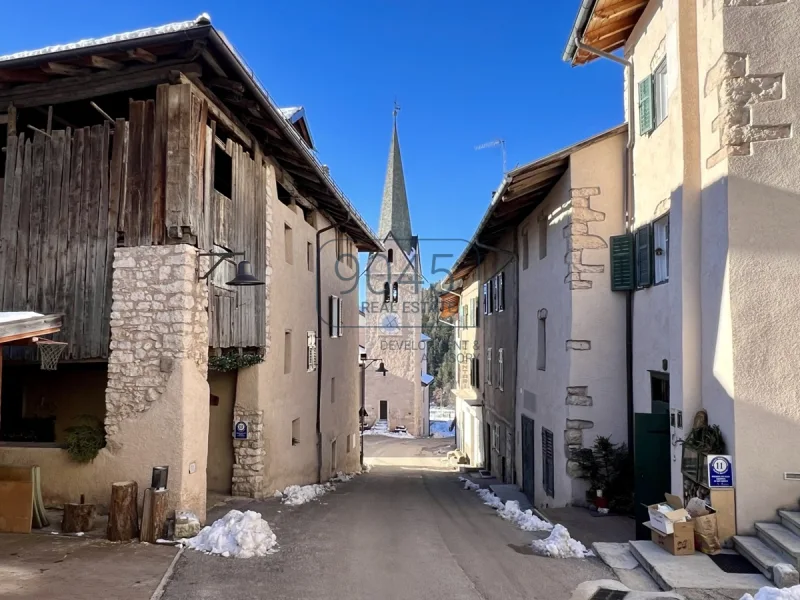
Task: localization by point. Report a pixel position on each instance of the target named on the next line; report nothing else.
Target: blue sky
(464, 73)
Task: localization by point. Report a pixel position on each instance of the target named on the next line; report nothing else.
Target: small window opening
(223, 172)
(284, 196)
(395, 292)
(543, 237)
(541, 350)
(333, 390)
(390, 258)
(310, 256)
(295, 432)
(287, 352)
(386, 296)
(288, 243)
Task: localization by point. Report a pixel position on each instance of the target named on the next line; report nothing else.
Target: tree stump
(78, 517)
(123, 516)
(154, 514)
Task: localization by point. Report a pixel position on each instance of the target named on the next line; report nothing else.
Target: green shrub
(85, 440)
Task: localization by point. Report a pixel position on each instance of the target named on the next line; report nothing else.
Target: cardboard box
(679, 543)
(664, 522)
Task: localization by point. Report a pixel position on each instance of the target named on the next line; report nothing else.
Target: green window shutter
(646, 122)
(644, 256)
(622, 273)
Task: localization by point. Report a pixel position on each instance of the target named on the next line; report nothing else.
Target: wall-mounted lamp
(382, 369)
(244, 270)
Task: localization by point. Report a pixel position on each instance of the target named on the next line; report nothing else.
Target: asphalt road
(383, 446)
(395, 533)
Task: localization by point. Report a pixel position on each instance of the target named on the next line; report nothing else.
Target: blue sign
(720, 471)
(240, 430)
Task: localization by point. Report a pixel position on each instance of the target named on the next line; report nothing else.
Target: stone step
(791, 520)
(757, 552)
(781, 539)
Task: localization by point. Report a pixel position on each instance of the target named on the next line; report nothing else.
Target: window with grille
(548, 473)
(311, 348)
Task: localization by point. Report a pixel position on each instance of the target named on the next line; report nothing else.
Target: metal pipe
(319, 344)
(629, 221)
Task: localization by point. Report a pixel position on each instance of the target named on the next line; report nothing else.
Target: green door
(652, 466)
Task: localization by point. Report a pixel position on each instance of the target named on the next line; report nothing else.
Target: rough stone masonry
(158, 316)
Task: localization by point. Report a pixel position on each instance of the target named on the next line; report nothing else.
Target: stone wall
(576, 231)
(248, 455)
(158, 317)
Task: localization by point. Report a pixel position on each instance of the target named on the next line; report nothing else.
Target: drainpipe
(319, 343)
(629, 220)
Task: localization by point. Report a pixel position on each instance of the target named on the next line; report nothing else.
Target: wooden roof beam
(143, 56)
(56, 68)
(100, 62)
(12, 76)
(218, 111)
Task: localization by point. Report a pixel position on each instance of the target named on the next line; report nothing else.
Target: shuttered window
(622, 273)
(646, 121)
(311, 349)
(644, 257)
(548, 472)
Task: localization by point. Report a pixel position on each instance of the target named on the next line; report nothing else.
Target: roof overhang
(602, 24)
(15, 327)
(28, 74)
(521, 191)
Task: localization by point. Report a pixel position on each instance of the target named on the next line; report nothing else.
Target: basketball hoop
(49, 353)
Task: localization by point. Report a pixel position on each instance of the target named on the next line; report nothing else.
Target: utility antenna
(494, 144)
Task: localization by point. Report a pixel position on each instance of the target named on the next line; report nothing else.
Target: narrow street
(395, 533)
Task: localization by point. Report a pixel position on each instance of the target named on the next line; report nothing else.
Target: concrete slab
(791, 520)
(616, 555)
(780, 538)
(757, 552)
(588, 589)
(696, 571)
(507, 492)
(59, 567)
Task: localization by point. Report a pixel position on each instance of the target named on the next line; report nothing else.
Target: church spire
(394, 208)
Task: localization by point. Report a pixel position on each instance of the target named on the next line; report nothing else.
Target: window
(287, 352)
(333, 390)
(661, 250)
(500, 376)
(475, 317)
(542, 237)
(653, 99)
(350, 443)
(660, 93)
(489, 366)
(541, 342)
(310, 258)
(287, 243)
(339, 245)
(223, 172)
(309, 216)
(548, 473)
(524, 248)
(659, 393)
(496, 437)
(311, 350)
(333, 456)
(494, 300)
(390, 256)
(295, 432)
(386, 296)
(486, 298)
(394, 292)
(622, 270)
(336, 316)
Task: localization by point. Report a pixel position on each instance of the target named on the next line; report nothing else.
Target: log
(78, 517)
(123, 516)
(154, 514)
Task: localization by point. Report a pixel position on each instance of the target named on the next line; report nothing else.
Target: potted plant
(607, 467)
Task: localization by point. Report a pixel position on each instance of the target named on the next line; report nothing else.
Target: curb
(159, 591)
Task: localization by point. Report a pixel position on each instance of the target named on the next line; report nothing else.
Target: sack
(706, 539)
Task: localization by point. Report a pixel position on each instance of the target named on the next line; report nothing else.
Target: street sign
(720, 471)
(240, 430)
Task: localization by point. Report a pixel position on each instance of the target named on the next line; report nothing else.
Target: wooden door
(528, 457)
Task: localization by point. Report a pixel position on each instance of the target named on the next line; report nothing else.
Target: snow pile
(385, 432)
(469, 484)
(490, 499)
(771, 593)
(238, 535)
(295, 495)
(559, 544)
(527, 521)
(342, 477)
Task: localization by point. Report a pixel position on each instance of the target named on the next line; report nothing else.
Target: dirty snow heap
(771, 593)
(559, 544)
(238, 535)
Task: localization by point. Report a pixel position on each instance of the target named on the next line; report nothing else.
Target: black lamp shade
(244, 275)
(382, 369)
